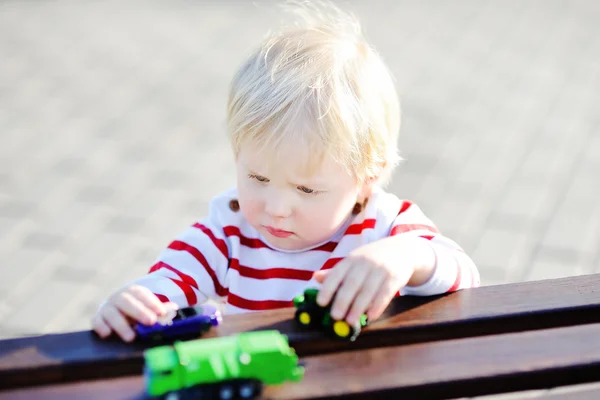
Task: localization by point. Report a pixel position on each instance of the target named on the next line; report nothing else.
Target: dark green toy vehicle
(310, 314)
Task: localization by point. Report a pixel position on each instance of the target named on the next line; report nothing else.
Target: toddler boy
(313, 119)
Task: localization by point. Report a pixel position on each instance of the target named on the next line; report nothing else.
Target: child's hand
(368, 279)
(132, 304)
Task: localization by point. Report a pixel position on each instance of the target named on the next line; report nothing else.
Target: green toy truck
(233, 367)
(311, 314)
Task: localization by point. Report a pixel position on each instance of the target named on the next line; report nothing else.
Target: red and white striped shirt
(224, 258)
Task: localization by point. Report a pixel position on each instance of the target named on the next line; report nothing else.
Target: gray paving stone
(22, 261)
(72, 315)
(574, 232)
(502, 250)
(527, 202)
(73, 274)
(42, 305)
(93, 257)
(12, 208)
(95, 194)
(28, 270)
(5, 310)
(550, 267)
(42, 240)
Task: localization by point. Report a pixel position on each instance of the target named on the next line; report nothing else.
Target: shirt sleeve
(453, 269)
(193, 268)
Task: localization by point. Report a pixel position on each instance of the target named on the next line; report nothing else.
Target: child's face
(291, 210)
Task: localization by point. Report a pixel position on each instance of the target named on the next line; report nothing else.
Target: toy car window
(184, 313)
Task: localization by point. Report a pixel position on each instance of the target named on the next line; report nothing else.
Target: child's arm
(452, 269)
(192, 268)
(189, 271)
(414, 259)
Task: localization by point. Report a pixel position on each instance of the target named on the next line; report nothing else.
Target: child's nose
(278, 207)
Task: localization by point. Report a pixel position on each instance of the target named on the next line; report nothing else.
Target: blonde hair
(318, 86)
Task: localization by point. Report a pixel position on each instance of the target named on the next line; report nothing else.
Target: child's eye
(306, 190)
(258, 178)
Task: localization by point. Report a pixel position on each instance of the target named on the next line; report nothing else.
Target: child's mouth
(278, 232)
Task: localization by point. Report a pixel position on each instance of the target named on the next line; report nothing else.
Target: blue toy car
(188, 321)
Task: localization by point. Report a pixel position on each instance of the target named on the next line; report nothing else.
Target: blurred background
(112, 127)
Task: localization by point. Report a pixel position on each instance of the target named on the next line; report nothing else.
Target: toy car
(310, 314)
(229, 367)
(188, 321)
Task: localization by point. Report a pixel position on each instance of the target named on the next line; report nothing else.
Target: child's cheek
(318, 221)
(250, 207)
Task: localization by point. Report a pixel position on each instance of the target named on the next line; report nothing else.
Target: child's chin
(289, 243)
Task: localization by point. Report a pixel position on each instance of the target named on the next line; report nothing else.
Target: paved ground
(112, 132)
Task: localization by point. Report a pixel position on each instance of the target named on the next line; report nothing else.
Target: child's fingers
(332, 282)
(100, 327)
(170, 306)
(321, 275)
(171, 309)
(365, 296)
(132, 307)
(347, 292)
(118, 323)
(170, 314)
(383, 298)
(149, 299)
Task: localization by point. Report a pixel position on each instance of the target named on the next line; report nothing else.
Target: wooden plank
(443, 369)
(475, 312)
(579, 392)
(583, 391)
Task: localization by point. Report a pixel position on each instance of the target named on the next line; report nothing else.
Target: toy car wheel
(343, 330)
(249, 390)
(172, 396)
(226, 392)
(303, 317)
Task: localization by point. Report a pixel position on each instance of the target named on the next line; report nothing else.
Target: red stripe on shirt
(328, 247)
(185, 278)
(405, 206)
(181, 246)
(162, 298)
(403, 228)
(458, 278)
(220, 243)
(281, 273)
(356, 229)
(190, 296)
(244, 241)
(256, 305)
(331, 263)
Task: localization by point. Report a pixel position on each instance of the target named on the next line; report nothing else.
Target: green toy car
(311, 314)
(232, 367)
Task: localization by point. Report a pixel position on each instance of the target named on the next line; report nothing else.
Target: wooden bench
(494, 339)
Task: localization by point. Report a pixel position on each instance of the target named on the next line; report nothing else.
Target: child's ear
(370, 181)
(367, 188)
